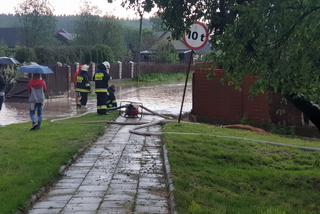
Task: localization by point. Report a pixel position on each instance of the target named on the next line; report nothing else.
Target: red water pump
(132, 109)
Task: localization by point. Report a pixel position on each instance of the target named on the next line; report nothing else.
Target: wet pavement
(120, 173)
(160, 98)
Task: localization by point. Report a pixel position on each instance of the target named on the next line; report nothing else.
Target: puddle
(160, 98)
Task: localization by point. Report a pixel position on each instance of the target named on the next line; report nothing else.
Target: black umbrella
(8, 61)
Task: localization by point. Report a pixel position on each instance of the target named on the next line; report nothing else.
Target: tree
(36, 17)
(277, 41)
(140, 6)
(166, 53)
(274, 40)
(113, 36)
(88, 26)
(157, 24)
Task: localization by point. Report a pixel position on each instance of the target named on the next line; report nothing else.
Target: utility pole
(140, 11)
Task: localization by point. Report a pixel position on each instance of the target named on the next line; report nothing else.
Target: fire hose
(170, 119)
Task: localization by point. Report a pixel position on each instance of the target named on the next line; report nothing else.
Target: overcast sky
(69, 7)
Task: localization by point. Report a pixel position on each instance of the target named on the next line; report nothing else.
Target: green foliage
(216, 175)
(31, 160)
(23, 54)
(157, 24)
(65, 54)
(281, 130)
(162, 78)
(5, 51)
(113, 36)
(88, 26)
(92, 30)
(36, 18)
(166, 53)
(177, 16)
(8, 20)
(132, 37)
(276, 41)
(280, 46)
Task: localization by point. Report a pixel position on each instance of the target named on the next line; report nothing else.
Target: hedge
(63, 54)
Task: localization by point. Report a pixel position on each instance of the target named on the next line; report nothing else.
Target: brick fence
(216, 102)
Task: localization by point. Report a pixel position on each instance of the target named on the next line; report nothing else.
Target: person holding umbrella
(37, 89)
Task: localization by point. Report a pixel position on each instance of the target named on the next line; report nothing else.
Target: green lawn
(30, 160)
(217, 175)
(154, 79)
(163, 78)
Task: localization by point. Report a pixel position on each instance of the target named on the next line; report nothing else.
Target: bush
(70, 54)
(23, 54)
(63, 54)
(5, 51)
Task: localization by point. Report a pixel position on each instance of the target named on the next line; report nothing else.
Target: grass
(157, 78)
(216, 175)
(162, 78)
(30, 160)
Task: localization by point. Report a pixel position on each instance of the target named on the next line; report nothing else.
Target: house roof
(64, 36)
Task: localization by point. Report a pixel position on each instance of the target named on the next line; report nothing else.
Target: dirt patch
(247, 127)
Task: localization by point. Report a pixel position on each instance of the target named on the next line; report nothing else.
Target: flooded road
(159, 98)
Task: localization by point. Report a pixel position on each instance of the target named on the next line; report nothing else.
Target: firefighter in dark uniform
(83, 85)
(112, 102)
(101, 79)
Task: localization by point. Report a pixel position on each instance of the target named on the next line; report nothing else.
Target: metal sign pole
(185, 85)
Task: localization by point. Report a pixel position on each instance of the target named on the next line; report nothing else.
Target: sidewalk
(120, 173)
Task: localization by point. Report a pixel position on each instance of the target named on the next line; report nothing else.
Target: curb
(169, 181)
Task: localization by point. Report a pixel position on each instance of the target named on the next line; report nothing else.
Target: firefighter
(111, 101)
(83, 85)
(76, 73)
(107, 65)
(101, 79)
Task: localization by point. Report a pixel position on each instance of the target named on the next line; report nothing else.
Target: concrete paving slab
(44, 211)
(120, 173)
(49, 205)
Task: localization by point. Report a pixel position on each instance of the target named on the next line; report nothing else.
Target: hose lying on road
(157, 114)
(69, 117)
(145, 124)
(137, 131)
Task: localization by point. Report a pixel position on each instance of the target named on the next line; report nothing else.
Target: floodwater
(161, 98)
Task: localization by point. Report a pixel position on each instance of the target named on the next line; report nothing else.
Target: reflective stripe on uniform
(79, 79)
(102, 90)
(82, 90)
(102, 107)
(98, 76)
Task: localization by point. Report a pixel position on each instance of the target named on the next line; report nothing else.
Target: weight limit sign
(197, 36)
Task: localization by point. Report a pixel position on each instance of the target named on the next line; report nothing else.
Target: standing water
(160, 98)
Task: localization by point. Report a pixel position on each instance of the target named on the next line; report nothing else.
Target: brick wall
(216, 102)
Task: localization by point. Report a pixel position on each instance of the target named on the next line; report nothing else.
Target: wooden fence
(60, 83)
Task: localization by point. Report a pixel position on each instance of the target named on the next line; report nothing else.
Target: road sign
(197, 36)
